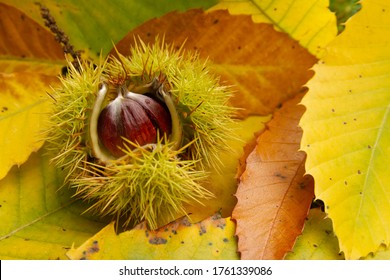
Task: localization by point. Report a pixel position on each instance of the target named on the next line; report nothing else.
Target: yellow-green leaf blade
(317, 241)
(23, 112)
(347, 132)
(38, 221)
(309, 22)
(212, 238)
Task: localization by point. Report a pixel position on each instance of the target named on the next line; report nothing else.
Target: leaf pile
(334, 148)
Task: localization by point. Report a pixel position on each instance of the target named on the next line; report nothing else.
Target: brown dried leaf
(23, 37)
(267, 67)
(273, 195)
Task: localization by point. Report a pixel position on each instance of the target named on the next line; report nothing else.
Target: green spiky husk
(146, 184)
(150, 184)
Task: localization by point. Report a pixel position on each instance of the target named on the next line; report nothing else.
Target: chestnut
(133, 116)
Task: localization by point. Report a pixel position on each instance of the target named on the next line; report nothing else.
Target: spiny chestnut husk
(136, 136)
(136, 117)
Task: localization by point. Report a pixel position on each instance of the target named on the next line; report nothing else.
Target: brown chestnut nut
(136, 117)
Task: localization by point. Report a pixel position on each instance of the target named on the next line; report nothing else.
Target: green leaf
(347, 131)
(95, 26)
(344, 9)
(38, 221)
(212, 238)
(317, 241)
(308, 21)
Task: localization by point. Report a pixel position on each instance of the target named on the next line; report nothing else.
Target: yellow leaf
(212, 238)
(29, 62)
(317, 241)
(347, 131)
(383, 253)
(38, 221)
(23, 112)
(308, 21)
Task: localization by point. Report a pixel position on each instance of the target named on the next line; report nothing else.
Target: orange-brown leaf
(274, 195)
(266, 67)
(23, 37)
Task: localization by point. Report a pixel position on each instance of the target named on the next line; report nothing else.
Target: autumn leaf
(212, 238)
(264, 74)
(318, 241)
(30, 60)
(347, 131)
(38, 221)
(272, 187)
(308, 21)
(94, 27)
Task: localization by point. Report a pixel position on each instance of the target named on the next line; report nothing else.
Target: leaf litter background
(32, 207)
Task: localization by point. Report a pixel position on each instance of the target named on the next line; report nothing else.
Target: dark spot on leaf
(369, 146)
(239, 47)
(83, 258)
(148, 34)
(360, 76)
(216, 216)
(279, 175)
(217, 251)
(327, 231)
(95, 242)
(174, 231)
(308, 145)
(202, 230)
(327, 206)
(146, 233)
(330, 179)
(166, 229)
(84, 252)
(157, 241)
(332, 110)
(275, 9)
(225, 240)
(345, 183)
(355, 119)
(315, 245)
(344, 122)
(93, 250)
(186, 222)
(182, 242)
(359, 172)
(22, 17)
(210, 243)
(361, 193)
(215, 21)
(63, 229)
(27, 239)
(221, 226)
